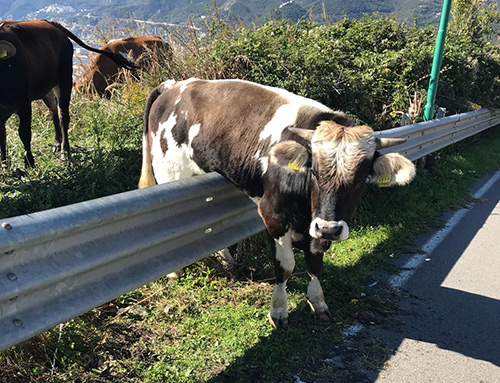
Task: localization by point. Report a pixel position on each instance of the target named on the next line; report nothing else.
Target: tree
(473, 20)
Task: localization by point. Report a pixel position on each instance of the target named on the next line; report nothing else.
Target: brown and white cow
(36, 63)
(304, 164)
(145, 51)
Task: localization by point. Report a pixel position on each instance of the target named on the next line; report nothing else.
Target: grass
(210, 326)
(106, 140)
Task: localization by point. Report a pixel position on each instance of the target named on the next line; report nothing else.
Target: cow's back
(44, 57)
(226, 126)
(102, 71)
(143, 49)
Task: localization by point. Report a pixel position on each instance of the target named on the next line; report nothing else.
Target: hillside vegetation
(178, 11)
(210, 326)
(374, 68)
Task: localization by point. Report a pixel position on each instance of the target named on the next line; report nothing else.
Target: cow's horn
(388, 142)
(306, 134)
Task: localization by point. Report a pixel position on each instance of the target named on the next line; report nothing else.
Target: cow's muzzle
(330, 230)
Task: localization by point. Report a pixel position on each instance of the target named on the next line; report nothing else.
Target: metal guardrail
(427, 137)
(59, 263)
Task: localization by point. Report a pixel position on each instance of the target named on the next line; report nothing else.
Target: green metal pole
(436, 62)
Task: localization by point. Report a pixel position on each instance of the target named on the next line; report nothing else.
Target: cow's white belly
(177, 162)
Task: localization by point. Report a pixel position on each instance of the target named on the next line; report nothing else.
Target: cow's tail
(117, 58)
(147, 176)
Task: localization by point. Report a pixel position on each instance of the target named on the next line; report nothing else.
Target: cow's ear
(7, 50)
(392, 169)
(290, 155)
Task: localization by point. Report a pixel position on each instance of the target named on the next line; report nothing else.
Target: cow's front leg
(314, 265)
(25, 133)
(3, 142)
(284, 263)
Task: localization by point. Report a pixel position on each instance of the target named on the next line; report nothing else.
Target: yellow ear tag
(293, 165)
(3, 54)
(384, 180)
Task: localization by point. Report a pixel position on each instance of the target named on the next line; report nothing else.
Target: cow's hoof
(56, 148)
(320, 310)
(278, 321)
(325, 316)
(29, 162)
(18, 173)
(65, 156)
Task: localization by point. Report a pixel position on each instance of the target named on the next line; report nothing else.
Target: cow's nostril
(337, 231)
(318, 229)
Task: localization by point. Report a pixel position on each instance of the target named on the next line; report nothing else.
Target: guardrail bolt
(17, 322)
(12, 276)
(6, 226)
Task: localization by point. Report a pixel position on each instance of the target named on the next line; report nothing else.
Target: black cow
(304, 164)
(36, 62)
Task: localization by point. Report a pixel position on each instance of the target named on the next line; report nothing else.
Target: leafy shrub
(373, 68)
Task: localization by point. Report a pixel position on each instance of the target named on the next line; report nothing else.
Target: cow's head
(7, 50)
(341, 160)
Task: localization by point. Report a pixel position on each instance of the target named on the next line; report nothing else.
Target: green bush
(373, 68)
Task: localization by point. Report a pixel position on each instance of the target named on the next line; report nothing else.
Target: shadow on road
(454, 320)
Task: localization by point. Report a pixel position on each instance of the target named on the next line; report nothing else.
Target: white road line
(433, 242)
(416, 260)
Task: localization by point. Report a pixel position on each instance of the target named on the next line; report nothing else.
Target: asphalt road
(446, 324)
(448, 327)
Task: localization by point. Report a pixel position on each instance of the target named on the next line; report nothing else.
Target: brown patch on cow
(245, 99)
(274, 223)
(166, 101)
(339, 150)
(231, 111)
(163, 142)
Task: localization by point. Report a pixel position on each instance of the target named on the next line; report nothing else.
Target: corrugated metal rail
(59, 263)
(427, 137)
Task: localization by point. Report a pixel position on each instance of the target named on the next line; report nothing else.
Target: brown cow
(102, 72)
(36, 62)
